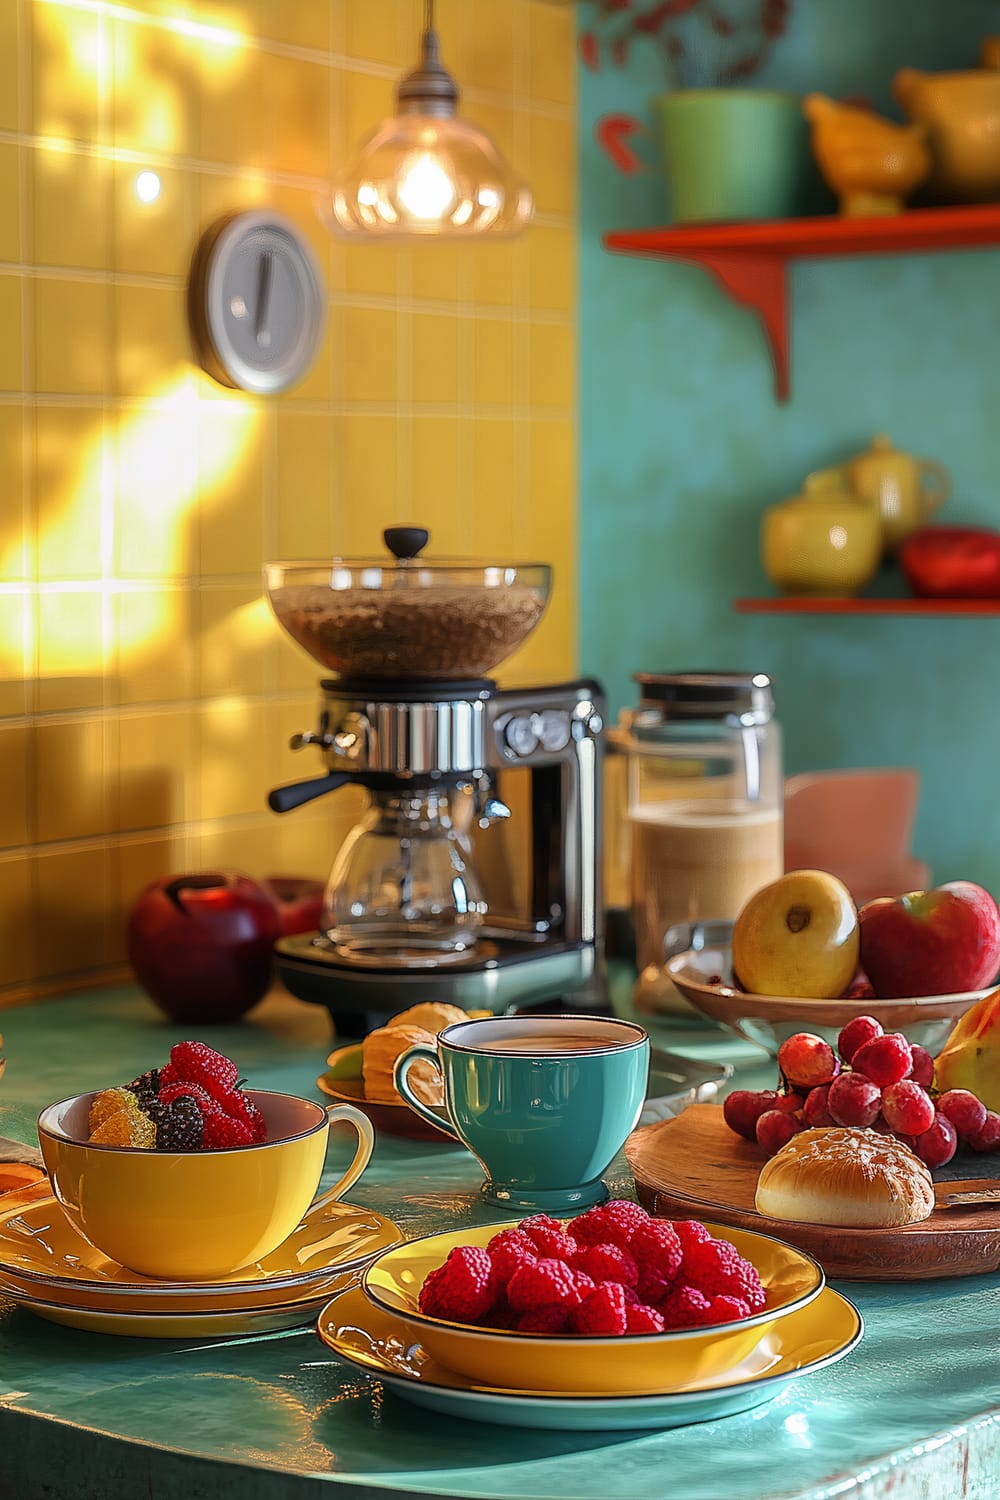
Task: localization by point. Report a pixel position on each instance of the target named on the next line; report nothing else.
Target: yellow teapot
(824, 541)
(961, 112)
(904, 491)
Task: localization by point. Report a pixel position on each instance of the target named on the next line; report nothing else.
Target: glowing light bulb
(147, 187)
(426, 190)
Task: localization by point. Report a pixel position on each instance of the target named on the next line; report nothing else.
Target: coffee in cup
(544, 1103)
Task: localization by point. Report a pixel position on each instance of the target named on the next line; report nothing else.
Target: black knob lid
(405, 542)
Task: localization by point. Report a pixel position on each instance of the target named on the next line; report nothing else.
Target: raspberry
(127, 1127)
(657, 1245)
(628, 1215)
(688, 1230)
(539, 1221)
(740, 1279)
(462, 1290)
(643, 1319)
(180, 1126)
(502, 1316)
(582, 1281)
(608, 1263)
(222, 1132)
(728, 1309)
(552, 1318)
(552, 1244)
(706, 1265)
(611, 1223)
(195, 1062)
(171, 1091)
(652, 1287)
(242, 1107)
(532, 1286)
(601, 1312)
(685, 1307)
(508, 1250)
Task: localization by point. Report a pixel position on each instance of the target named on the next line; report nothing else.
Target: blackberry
(145, 1088)
(180, 1126)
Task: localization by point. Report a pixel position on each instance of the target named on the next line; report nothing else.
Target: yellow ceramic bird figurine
(872, 164)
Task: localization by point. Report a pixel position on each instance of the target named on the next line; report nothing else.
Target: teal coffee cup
(545, 1103)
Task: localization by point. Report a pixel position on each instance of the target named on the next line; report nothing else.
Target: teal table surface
(912, 1414)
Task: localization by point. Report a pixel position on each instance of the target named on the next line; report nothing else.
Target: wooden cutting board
(695, 1167)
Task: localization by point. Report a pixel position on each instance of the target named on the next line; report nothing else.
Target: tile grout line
(29, 501)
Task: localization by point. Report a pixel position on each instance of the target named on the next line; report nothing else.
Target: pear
(970, 1058)
(797, 936)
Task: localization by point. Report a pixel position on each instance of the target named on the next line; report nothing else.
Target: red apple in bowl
(939, 942)
(202, 945)
(299, 900)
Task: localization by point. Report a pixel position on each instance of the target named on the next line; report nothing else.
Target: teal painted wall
(683, 445)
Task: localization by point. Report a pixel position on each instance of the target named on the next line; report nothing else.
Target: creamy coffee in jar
(705, 795)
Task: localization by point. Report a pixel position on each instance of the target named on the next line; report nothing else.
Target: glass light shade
(429, 174)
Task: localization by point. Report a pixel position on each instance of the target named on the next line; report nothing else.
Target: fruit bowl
(703, 974)
(577, 1364)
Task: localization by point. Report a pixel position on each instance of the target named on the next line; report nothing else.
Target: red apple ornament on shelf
(938, 942)
(202, 945)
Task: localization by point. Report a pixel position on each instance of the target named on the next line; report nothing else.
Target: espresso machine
(473, 875)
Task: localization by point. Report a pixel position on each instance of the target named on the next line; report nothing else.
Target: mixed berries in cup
(612, 1271)
(196, 1102)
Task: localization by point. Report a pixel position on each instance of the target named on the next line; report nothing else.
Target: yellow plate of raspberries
(587, 1362)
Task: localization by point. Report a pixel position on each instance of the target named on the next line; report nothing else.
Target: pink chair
(858, 825)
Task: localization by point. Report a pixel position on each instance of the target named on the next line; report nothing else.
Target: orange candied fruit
(126, 1127)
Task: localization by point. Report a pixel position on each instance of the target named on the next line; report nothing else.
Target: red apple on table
(938, 942)
(299, 899)
(202, 945)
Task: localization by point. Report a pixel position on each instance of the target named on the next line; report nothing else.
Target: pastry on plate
(379, 1052)
(431, 1015)
(847, 1178)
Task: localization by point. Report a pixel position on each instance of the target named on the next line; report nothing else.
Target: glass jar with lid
(704, 804)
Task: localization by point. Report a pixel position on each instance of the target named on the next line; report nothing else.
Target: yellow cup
(196, 1215)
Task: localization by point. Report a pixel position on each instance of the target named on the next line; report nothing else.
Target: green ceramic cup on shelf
(544, 1102)
(734, 154)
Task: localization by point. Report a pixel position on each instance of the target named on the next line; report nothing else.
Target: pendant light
(426, 172)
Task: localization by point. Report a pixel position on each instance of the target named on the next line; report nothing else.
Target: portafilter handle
(284, 798)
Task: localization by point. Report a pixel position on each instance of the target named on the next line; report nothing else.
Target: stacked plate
(585, 1383)
(47, 1267)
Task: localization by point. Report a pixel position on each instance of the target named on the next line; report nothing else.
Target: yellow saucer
(138, 1303)
(376, 1342)
(180, 1325)
(40, 1247)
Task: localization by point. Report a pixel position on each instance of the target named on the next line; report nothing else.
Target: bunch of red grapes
(879, 1082)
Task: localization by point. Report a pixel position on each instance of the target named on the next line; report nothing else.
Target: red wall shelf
(750, 261)
(792, 605)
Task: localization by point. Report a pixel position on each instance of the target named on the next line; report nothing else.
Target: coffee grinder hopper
(410, 713)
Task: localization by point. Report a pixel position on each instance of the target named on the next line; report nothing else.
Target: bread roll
(379, 1052)
(430, 1015)
(849, 1178)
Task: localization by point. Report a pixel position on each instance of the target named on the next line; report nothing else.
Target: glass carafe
(402, 885)
(705, 808)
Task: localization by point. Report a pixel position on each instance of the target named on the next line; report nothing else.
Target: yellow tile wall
(146, 696)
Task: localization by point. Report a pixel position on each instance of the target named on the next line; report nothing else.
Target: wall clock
(257, 302)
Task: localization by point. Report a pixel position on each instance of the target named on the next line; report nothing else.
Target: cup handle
(399, 1078)
(363, 1155)
(933, 495)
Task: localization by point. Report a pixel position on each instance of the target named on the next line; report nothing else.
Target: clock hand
(263, 299)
